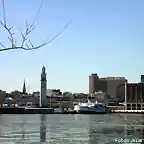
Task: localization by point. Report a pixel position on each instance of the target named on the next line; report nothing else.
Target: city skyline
(104, 37)
(25, 86)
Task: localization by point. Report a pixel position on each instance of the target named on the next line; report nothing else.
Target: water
(69, 129)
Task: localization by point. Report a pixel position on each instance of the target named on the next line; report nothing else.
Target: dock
(128, 111)
(38, 110)
(25, 110)
(41, 110)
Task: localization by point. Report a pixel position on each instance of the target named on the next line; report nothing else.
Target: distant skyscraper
(43, 87)
(24, 88)
(142, 78)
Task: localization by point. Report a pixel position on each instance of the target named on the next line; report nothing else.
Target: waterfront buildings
(111, 86)
(112, 89)
(107, 85)
(37, 93)
(135, 96)
(54, 92)
(130, 93)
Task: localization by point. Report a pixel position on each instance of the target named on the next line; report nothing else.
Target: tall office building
(112, 85)
(109, 85)
(93, 83)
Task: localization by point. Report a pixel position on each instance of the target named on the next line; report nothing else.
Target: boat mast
(125, 95)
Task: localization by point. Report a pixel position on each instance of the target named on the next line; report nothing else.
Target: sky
(104, 37)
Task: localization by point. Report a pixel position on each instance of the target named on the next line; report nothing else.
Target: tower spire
(43, 70)
(24, 88)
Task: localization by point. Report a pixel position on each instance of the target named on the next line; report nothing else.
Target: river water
(70, 129)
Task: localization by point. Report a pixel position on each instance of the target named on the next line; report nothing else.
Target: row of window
(135, 107)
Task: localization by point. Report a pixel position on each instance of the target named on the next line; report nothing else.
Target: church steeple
(24, 88)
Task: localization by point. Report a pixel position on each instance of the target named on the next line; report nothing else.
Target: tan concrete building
(109, 85)
(120, 92)
(103, 85)
(113, 83)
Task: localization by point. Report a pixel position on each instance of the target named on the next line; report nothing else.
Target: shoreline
(17, 110)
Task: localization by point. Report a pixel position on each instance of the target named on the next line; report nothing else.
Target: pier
(29, 110)
(38, 111)
(128, 111)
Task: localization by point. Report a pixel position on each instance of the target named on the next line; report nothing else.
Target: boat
(91, 108)
(13, 109)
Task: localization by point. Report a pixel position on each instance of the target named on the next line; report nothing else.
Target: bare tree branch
(2, 45)
(26, 44)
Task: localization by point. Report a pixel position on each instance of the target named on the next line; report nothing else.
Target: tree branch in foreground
(26, 44)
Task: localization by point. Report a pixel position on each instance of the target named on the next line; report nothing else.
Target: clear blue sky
(104, 37)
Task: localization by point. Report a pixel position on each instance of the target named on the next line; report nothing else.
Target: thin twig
(31, 27)
(10, 33)
(36, 47)
(2, 45)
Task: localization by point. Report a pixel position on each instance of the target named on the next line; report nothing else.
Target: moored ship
(91, 108)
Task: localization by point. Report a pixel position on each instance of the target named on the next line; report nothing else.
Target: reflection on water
(69, 129)
(113, 130)
(42, 128)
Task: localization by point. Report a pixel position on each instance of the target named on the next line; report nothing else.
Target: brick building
(135, 96)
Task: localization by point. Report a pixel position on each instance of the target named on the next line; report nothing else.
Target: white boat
(91, 108)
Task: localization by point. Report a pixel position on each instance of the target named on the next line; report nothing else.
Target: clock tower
(43, 87)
